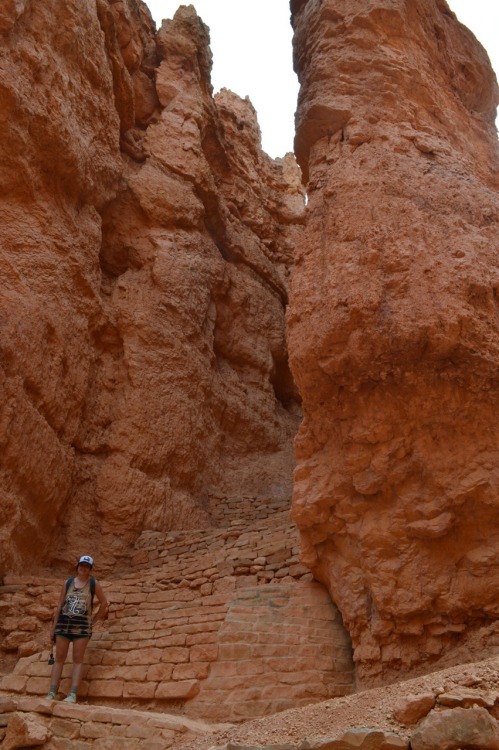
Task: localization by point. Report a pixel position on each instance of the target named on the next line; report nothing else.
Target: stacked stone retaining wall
(223, 623)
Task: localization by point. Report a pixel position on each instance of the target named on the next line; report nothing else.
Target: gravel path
(369, 708)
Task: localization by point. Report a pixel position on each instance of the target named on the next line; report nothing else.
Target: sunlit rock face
(394, 327)
(145, 253)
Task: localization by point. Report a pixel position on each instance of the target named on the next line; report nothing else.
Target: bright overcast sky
(251, 46)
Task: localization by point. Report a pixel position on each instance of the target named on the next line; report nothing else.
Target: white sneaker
(50, 695)
(71, 698)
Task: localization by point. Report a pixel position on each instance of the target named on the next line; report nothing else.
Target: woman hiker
(73, 619)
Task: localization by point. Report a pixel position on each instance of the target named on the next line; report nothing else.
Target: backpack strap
(68, 583)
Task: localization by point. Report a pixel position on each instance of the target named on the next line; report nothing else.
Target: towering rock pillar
(394, 326)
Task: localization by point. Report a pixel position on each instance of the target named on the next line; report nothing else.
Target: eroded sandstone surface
(394, 327)
(145, 242)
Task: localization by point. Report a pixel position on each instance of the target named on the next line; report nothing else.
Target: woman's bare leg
(61, 652)
(79, 647)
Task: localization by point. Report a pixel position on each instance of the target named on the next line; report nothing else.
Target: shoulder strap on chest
(68, 583)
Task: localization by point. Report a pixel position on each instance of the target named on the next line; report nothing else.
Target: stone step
(62, 726)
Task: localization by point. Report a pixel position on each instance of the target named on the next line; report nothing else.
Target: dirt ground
(369, 708)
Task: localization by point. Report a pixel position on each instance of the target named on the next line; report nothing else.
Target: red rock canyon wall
(145, 247)
(394, 326)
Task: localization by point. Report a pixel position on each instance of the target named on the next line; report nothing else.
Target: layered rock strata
(145, 250)
(394, 326)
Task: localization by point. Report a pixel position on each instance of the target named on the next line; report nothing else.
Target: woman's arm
(103, 603)
(57, 611)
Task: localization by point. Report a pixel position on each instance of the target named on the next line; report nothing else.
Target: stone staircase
(29, 722)
(222, 624)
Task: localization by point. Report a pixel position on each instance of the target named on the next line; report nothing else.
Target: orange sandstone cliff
(145, 247)
(394, 327)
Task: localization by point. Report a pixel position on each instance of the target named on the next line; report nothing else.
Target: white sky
(251, 46)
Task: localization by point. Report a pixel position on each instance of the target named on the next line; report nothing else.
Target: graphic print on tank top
(75, 616)
(75, 605)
